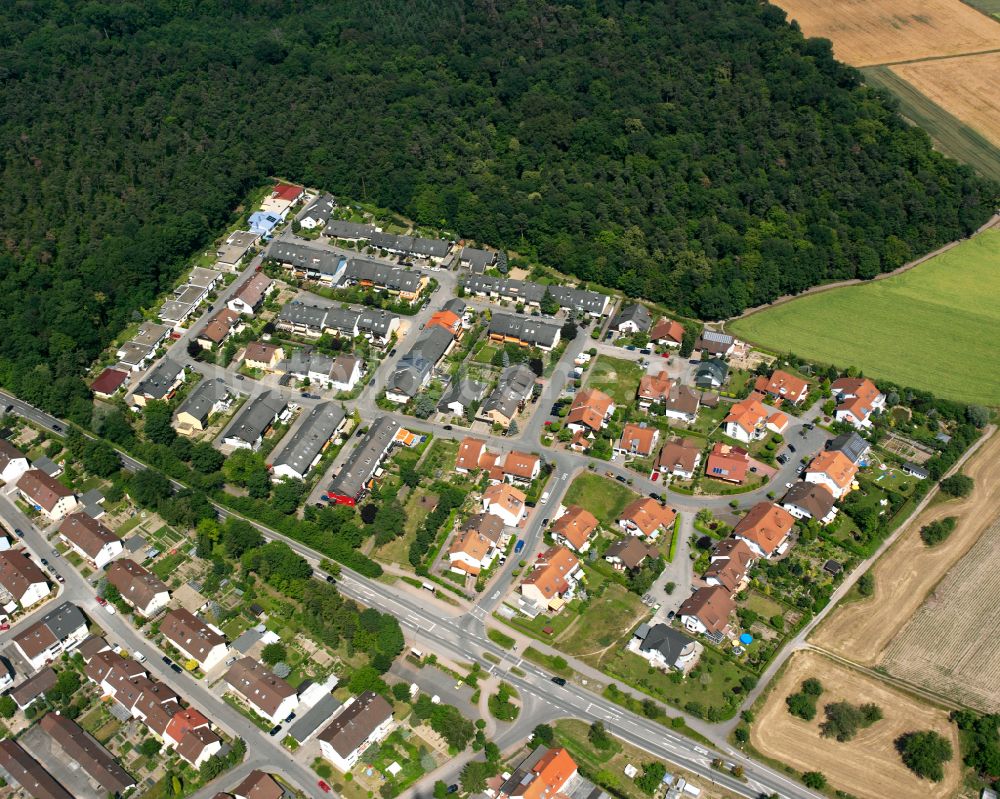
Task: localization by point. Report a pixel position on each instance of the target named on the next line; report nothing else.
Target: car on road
(372, 382)
(654, 476)
(330, 579)
(176, 669)
(654, 495)
(665, 355)
(782, 459)
(545, 521)
(55, 553)
(545, 497)
(448, 427)
(310, 396)
(8, 409)
(274, 730)
(620, 479)
(559, 680)
(392, 352)
(57, 428)
(631, 347)
(240, 377)
(60, 578)
(19, 532)
(519, 546)
(791, 448)
(102, 601)
(323, 786)
(809, 426)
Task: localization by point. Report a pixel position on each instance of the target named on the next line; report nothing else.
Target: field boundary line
(931, 58)
(992, 222)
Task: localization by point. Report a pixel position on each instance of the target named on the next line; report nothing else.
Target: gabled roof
(647, 514)
(259, 785)
(18, 573)
(679, 453)
(109, 381)
(469, 451)
(835, 465)
(424, 355)
(86, 533)
(135, 583)
(765, 525)
(311, 437)
(552, 772)
(811, 497)
(576, 525)
(712, 370)
(747, 414)
(463, 391)
(342, 229)
(356, 722)
(590, 407)
(520, 464)
(366, 457)
(682, 399)
(411, 245)
(515, 386)
(8, 453)
(256, 417)
(711, 605)
(731, 559)
(529, 329)
(219, 326)
(505, 496)
(252, 292)
(160, 380)
(93, 758)
(667, 329)
(551, 572)
(43, 490)
(258, 684)
(188, 632)
(29, 773)
(285, 191)
(638, 438)
(478, 259)
(394, 278)
(321, 208)
(782, 384)
(630, 551)
(636, 314)
(654, 388)
(200, 402)
(852, 445)
(448, 320)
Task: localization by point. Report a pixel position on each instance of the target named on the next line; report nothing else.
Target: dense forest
(697, 152)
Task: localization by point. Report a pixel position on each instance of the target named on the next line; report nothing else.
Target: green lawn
(603, 497)
(607, 619)
(616, 377)
(924, 328)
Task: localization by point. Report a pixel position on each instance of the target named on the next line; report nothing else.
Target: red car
(101, 601)
(4, 627)
(323, 786)
(665, 355)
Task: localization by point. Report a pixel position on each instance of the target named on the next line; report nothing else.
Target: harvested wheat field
(965, 87)
(907, 572)
(950, 644)
(867, 32)
(868, 766)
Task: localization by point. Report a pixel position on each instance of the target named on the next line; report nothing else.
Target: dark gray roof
(207, 395)
(417, 364)
(811, 497)
(366, 458)
(477, 259)
(916, 470)
(310, 721)
(256, 416)
(852, 445)
(391, 277)
(304, 361)
(463, 390)
(244, 641)
(515, 385)
(410, 245)
(47, 465)
(310, 437)
(342, 229)
(711, 372)
(303, 315)
(567, 297)
(159, 381)
(635, 313)
(456, 306)
(376, 322)
(526, 328)
(302, 256)
(343, 320)
(666, 640)
(321, 208)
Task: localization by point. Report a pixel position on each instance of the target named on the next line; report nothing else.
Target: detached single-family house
(469, 452)
(574, 527)
(730, 564)
(268, 695)
(258, 785)
(194, 639)
(364, 720)
(319, 212)
(476, 544)
(46, 494)
(667, 333)
(833, 470)
(707, 611)
(653, 389)
(857, 400)
(782, 386)
(853, 446)
(765, 528)
(520, 468)
(646, 517)
(729, 463)
(60, 630)
(22, 580)
(253, 422)
(505, 501)
(715, 343)
(108, 383)
(629, 553)
(477, 260)
(667, 648)
(746, 421)
(461, 394)
(810, 501)
(632, 318)
(591, 411)
(545, 775)
(638, 440)
(711, 374)
(550, 584)
(262, 355)
(682, 403)
(345, 372)
(251, 295)
(679, 457)
(13, 462)
(915, 470)
(210, 396)
(139, 587)
(90, 539)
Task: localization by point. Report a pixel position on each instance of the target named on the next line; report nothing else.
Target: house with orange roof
(746, 421)
(470, 450)
(646, 517)
(707, 611)
(667, 332)
(521, 467)
(551, 583)
(638, 440)
(858, 399)
(765, 528)
(476, 544)
(782, 386)
(729, 463)
(777, 422)
(833, 470)
(505, 501)
(574, 527)
(591, 411)
(449, 320)
(730, 564)
(541, 775)
(653, 389)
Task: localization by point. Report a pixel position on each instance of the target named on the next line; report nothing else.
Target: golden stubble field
(869, 766)
(904, 576)
(965, 87)
(869, 32)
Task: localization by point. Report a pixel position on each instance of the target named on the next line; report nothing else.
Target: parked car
(372, 382)
(139, 657)
(323, 786)
(274, 730)
(102, 601)
(55, 552)
(392, 352)
(60, 578)
(19, 532)
(631, 347)
(110, 608)
(654, 495)
(694, 361)
(620, 479)
(4, 626)
(782, 459)
(166, 660)
(240, 377)
(519, 546)
(176, 669)
(453, 788)
(646, 351)
(309, 396)
(448, 427)
(791, 448)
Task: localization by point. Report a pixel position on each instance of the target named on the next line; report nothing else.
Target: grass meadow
(934, 327)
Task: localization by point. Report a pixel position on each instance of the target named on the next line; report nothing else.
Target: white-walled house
(364, 720)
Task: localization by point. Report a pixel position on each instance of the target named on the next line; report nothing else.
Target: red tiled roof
(576, 525)
(766, 525)
(109, 381)
(284, 191)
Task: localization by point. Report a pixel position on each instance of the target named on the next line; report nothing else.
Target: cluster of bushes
(938, 531)
(803, 703)
(843, 720)
(449, 498)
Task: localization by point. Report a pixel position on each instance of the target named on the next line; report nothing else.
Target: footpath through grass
(927, 328)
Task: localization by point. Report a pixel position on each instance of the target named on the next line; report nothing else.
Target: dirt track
(867, 767)
(906, 574)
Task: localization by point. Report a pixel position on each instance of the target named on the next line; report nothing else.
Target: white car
(110, 609)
